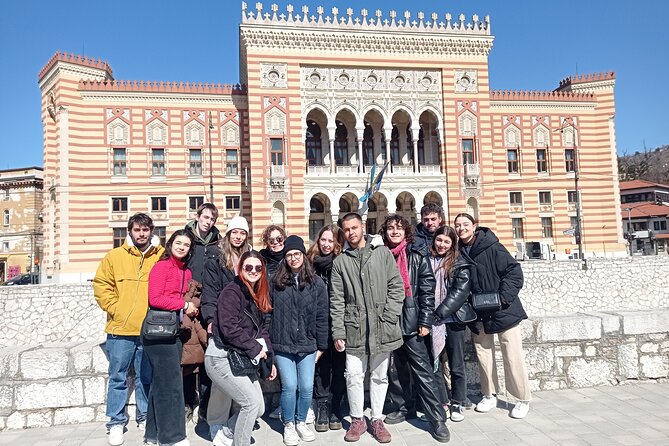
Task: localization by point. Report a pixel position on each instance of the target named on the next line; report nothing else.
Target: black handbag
(162, 325)
(240, 364)
(466, 313)
(486, 302)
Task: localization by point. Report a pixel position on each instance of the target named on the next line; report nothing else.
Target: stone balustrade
(604, 326)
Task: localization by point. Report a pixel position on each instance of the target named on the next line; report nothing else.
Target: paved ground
(629, 415)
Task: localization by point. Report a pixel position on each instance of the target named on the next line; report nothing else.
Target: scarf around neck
(400, 254)
(323, 264)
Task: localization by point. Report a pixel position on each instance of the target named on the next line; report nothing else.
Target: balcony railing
(347, 170)
(402, 169)
(318, 170)
(430, 169)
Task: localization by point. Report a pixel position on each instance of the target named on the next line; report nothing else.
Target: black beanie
(294, 242)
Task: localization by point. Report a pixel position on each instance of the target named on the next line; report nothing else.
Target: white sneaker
(141, 425)
(290, 435)
(116, 435)
(311, 416)
(184, 442)
(487, 404)
(304, 432)
(276, 413)
(221, 438)
(457, 414)
(520, 410)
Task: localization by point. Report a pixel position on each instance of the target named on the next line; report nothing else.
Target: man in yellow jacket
(121, 289)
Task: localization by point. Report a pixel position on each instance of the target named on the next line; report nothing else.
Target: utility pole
(211, 164)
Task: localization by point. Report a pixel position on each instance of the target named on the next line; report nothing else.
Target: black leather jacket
(418, 309)
(458, 288)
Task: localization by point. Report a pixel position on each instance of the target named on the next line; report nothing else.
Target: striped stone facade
(322, 99)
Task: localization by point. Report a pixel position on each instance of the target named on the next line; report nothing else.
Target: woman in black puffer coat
(299, 334)
(453, 311)
(413, 360)
(495, 271)
(329, 381)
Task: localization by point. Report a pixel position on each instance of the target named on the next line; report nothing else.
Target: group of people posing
(319, 319)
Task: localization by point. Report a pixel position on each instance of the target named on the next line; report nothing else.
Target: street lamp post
(578, 234)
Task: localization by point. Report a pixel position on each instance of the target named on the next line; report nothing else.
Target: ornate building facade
(322, 99)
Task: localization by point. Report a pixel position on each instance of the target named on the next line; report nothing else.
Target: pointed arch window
(313, 144)
(341, 144)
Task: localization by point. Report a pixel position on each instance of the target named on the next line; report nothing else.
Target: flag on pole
(368, 188)
(375, 183)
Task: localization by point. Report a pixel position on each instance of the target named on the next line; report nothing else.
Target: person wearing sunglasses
(299, 334)
(273, 238)
(218, 273)
(241, 325)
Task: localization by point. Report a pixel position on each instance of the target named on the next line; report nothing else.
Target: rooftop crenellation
(420, 23)
(75, 59)
(162, 87)
(590, 77)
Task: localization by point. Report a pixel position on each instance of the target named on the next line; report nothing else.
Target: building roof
(640, 184)
(75, 59)
(644, 209)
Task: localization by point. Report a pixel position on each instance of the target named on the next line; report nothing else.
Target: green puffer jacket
(365, 283)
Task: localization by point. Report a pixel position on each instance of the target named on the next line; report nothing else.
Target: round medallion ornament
(465, 81)
(315, 78)
(399, 81)
(372, 80)
(273, 76)
(344, 79)
(426, 81)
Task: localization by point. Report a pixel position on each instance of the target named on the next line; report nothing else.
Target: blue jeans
(121, 352)
(297, 374)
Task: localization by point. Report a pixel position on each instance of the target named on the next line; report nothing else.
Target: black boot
(322, 417)
(335, 414)
(440, 431)
(399, 416)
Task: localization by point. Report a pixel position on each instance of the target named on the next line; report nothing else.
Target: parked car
(23, 279)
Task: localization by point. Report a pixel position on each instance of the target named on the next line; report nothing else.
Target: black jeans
(329, 380)
(165, 418)
(415, 381)
(455, 352)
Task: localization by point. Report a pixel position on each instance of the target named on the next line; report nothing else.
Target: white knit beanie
(237, 222)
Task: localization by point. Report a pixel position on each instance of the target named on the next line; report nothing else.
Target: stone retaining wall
(45, 314)
(64, 384)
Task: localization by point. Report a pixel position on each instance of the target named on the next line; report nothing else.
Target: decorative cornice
(524, 95)
(77, 60)
(551, 105)
(162, 87)
(420, 26)
(239, 101)
(301, 33)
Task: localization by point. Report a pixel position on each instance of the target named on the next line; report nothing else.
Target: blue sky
(536, 45)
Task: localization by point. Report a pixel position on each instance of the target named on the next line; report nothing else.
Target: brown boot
(380, 432)
(357, 428)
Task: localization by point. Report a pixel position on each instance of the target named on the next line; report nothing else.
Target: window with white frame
(517, 228)
(158, 204)
(5, 217)
(119, 236)
(232, 162)
(158, 162)
(232, 203)
(195, 162)
(195, 202)
(120, 161)
(119, 204)
(545, 198)
(547, 227)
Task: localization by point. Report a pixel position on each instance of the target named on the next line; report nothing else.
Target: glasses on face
(249, 268)
(277, 240)
(293, 255)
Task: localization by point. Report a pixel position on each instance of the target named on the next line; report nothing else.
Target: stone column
(388, 133)
(332, 157)
(361, 134)
(416, 169)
